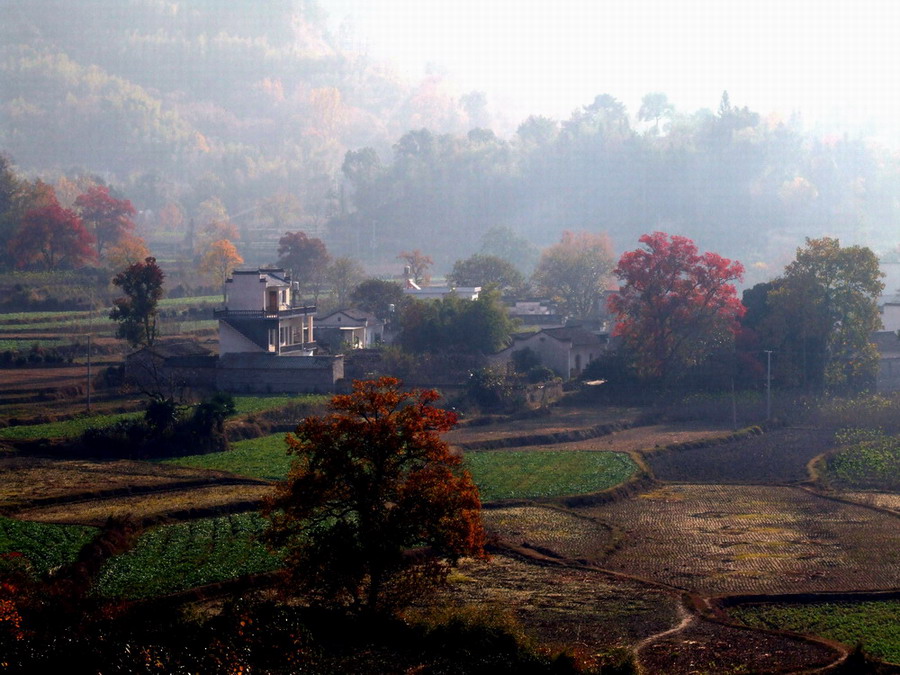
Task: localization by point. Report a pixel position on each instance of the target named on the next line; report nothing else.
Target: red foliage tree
(675, 306)
(107, 217)
(375, 508)
(51, 237)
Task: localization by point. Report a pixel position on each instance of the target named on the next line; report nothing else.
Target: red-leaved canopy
(675, 305)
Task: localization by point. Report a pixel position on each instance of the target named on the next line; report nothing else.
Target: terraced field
(718, 519)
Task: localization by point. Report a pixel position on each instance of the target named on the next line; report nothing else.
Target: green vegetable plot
(45, 546)
(530, 474)
(875, 624)
(263, 457)
(186, 555)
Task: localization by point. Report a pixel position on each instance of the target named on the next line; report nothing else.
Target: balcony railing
(306, 346)
(225, 313)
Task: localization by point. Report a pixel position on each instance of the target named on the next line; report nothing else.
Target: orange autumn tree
(376, 509)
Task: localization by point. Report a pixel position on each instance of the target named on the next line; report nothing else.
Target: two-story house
(262, 314)
(266, 338)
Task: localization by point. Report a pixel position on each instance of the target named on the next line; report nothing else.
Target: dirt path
(685, 617)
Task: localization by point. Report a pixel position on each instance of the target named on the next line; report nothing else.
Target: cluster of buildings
(269, 341)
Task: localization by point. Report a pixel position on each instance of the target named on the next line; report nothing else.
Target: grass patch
(263, 457)
(45, 545)
(530, 474)
(177, 557)
(874, 623)
(65, 429)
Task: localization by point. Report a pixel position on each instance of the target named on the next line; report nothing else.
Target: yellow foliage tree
(219, 262)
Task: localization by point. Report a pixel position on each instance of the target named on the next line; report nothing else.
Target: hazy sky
(836, 61)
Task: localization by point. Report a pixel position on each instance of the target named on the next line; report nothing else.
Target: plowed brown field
(580, 610)
(778, 456)
(752, 539)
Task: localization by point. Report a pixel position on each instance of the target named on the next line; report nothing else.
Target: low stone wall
(268, 373)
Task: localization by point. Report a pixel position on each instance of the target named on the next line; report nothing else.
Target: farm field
(177, 557)
(717, 519)
(752, 539)
(551, 530)
(498, 474)
(523, 474)
(582, 609)
(882, 500)
(562, 420)
(874, 624)
(778, 456)
(45, 546)
(263, 457)
(705, 647)
(171, 503)
(29, 481)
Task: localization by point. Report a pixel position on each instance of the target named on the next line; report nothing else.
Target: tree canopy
(821, 313)
(51, 237)
(675, 306)
(455, 324)
(306, 258)
(136, 311)
(107, 218)
(481, 270)
(575, 271)
(376, 508)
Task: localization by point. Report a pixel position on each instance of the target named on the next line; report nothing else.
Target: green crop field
(65, 429)
(869, 459)
(530, 474)
(44, 545)
(198, 300)
(874, 624)
(176, 557)
(248, 405)
(263, 457)
(499, 474)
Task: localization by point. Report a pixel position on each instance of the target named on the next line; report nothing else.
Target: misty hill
(250, 109)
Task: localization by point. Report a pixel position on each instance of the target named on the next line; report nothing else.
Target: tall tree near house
(378, 296)
(376, 509)
(823, 310)
(575, 271)
(675, 306)
(343, 276)
(219, 262)
(418, 264)
(53, 238)
(307, 260)
(481, 270)
(107, 218)
(136, 312)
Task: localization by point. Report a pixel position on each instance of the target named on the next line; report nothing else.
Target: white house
(266, 340)
(566, 350)
(353, 327)
(261, 314)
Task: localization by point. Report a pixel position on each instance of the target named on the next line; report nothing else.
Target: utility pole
(768, 384)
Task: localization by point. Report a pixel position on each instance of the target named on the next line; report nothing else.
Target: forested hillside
(201, 110)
